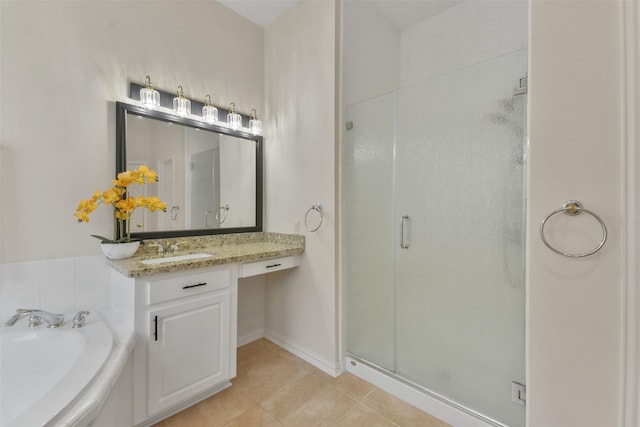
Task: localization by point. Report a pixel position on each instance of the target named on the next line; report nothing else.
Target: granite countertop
(223, 248)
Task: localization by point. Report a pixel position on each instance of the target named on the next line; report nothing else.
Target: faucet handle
(80, 319)
(34, 321)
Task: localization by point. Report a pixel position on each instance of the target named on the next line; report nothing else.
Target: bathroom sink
(174, 258)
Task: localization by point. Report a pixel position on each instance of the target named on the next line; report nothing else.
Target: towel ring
(224, 209)
(318, 208)
(573, 207)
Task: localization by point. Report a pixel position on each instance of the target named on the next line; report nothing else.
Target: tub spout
(35, 318)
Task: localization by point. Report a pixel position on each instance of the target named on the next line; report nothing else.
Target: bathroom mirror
(209, 175)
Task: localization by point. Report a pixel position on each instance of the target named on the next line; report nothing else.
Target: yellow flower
(111, 195)
(124, 179)
(147, 173)
(82, 216)
(123, 205)
(126, 205)
(152, 203)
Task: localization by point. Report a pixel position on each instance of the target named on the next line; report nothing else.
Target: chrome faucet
(36, 317)
(80, 319)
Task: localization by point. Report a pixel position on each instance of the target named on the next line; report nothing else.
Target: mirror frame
(123, 110)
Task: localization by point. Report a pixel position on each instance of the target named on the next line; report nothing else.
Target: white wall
(575, 306)
(300, 171)
(63, 64)
(59, 285)
(378, 58)
(466, 34)
(371, 53)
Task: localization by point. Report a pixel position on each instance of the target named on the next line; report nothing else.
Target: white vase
(119, 250)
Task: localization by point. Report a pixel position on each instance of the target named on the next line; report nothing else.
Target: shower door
(457, 205)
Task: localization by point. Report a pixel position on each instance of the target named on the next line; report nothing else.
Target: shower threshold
(418, 396)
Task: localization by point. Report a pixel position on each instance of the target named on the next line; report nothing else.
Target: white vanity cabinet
(185, 315)
(186, 324)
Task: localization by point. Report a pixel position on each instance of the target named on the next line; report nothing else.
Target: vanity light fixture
(181, 105)
(234, 120)
(209, 112)
(149, 97)
(255, 125)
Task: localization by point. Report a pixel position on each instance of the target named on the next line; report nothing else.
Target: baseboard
(458, 417)
(328, 367)
(253, 336)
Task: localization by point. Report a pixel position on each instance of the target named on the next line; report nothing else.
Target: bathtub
(44, 371)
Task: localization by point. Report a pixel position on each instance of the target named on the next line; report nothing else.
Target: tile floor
(276, 388)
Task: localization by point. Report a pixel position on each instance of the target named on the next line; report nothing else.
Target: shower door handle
(404, 243)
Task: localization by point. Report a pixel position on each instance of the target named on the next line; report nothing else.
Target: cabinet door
(188, 349)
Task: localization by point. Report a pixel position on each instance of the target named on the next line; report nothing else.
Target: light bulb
(209, 112)
(255, 125)
(149, 97)
(234, 120)
(181, 105)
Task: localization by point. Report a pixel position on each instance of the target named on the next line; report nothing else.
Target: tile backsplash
(61, 285)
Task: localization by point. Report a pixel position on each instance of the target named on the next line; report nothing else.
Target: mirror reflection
(209, 179)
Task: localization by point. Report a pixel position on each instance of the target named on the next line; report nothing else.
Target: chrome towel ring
(317, 208)
(573, 207)
(222, 209)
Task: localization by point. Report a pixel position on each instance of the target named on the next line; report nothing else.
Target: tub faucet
(36, 317)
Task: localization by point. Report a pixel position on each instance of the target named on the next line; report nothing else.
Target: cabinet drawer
(268, 265)
(184, 285)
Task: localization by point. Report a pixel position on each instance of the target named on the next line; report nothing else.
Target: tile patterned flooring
(276, 388)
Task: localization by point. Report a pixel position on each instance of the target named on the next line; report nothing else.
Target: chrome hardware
(36, 317)
(224, 209)
(518, 393)
(168, 246)
(403, 243)
(523, 87)
(174, 213)
(572, 208)
(79, 320)
(317, 208)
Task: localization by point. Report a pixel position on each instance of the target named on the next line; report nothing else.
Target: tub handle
(79, 320)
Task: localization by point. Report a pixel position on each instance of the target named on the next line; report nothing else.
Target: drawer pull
(273, 265)
(194, 286)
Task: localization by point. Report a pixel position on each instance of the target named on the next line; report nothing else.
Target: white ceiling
(401, 14)
(261, 12)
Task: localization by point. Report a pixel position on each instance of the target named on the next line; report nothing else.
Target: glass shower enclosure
(434, 235)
